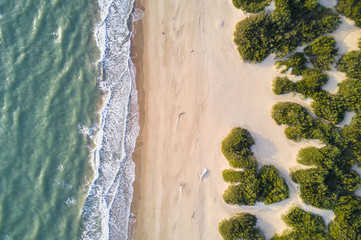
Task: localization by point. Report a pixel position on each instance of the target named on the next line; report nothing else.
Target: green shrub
(328, 106)
(333, 178)
(240, 226)
(252, 36)
(350, 63)
(351, 138)
(282, 85)
(325, 157)
(347, 223)
(252, 6)
(289, 113)
(236, 147)
(232, 176)
(304, 225)
(350, 92)
(311, 83)
(322, 52)
(272, 187)
(351, 9)
(244, 193)
(297, 62)
(313, 187)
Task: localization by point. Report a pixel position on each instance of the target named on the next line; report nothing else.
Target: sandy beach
(193, 90)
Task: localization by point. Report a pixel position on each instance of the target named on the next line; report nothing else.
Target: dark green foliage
(272, 188)
(322, 52)
(350, 92)
(305, 225)
(252, 6)
(248, 186)
(350, 63)
(300, 123)
(292, 24)
(311, 83)
(266, 186)
(252, 37)
(282, 85)
(244, 193)
(333, 177)
(297, 62)
(232, 176)
(325, 157)
(329, 106)
(351, 9)
(347, 223)
(240, 226)
(236, 147)
(351, 138)
(314, 189)
(291, 114)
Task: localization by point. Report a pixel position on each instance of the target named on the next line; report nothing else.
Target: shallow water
(52, 82)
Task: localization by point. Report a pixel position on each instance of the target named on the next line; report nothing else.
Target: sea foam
(106, 213)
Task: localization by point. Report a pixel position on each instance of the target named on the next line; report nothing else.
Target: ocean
(68, 119)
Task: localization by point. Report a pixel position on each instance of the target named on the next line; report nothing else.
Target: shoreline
(137, 59)
(198, 89)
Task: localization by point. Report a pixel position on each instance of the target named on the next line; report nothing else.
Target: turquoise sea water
(49, 96)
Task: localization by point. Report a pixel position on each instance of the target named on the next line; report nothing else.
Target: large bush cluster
(249, 184)
(328, 182)
(292, 24)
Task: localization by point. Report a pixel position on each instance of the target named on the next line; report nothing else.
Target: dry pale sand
(194, 89)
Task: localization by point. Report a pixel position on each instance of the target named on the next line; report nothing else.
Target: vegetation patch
(292, 24)
(351, 9)
(236, 147)
(240, 226)
(304, 225)
(249, 184)
(296, 61)
(322, 52)
(251, 6)
(347, 223)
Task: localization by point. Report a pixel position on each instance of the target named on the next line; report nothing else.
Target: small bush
(297, 62)
(311, 83)
(282, 85)
(322, 52)
(329, 106)
(252, 6)
(241, 226)
(232, 176)
(244, 193)
(350, 63)
(289, 113)
(350, 92)
(236, 147)
(272, 187)
(325, 157)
